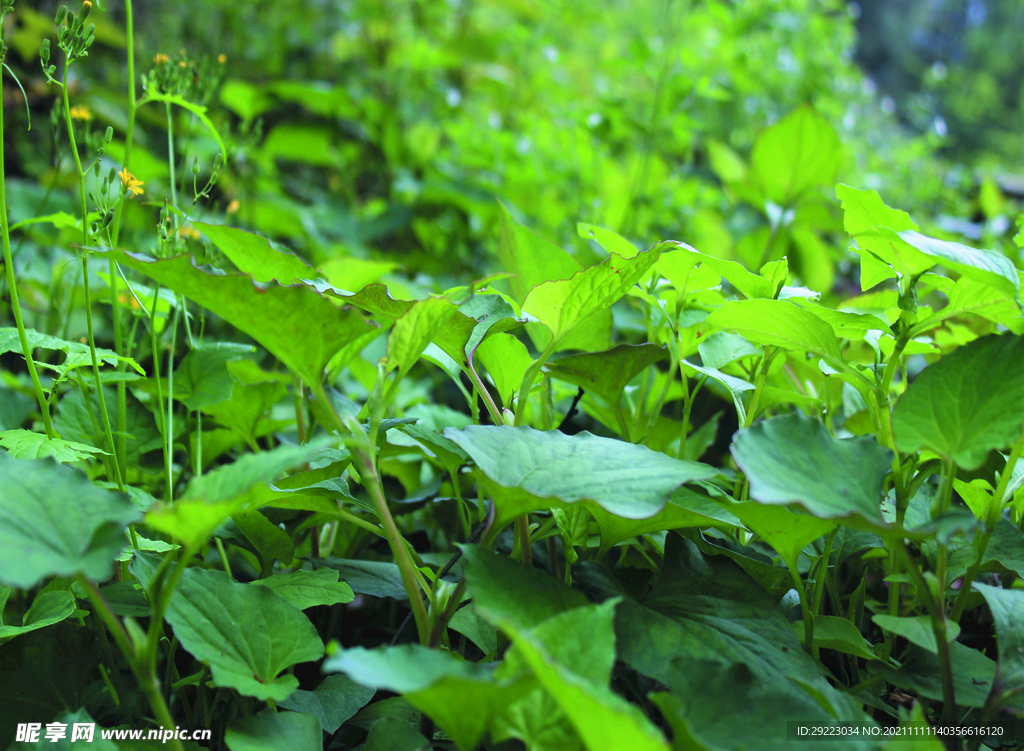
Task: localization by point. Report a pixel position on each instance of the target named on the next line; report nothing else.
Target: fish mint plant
(623, 498)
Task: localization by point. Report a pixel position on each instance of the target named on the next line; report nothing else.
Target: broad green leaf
(274, 731)
(60, 220)
(721, 348)
(689, 270)
(919, 671)
(875, 227)
(304, 588)
(202, 379)
(1003, 555)
(461, 697)
(969, 296)
(564, 304)
(245, 413)
(797, 154)
(534, 260)
(610, 241)
(606, 373)
(271, 542)
(334, 701)
(708, 699)
(414, 330)
(507, 360)
(968, 403)
(574, 527)
(447, 451)
(794, 459)
(779, 323)
(247, 635)
(602, 718)
(844, 324)
(47, 608)
(25, 444)
(476, 629)
(53, 521)
(1007, 608)
(75, 421)
(624, 479)
(493, 313)
(253, 254)
(299, 326)
(864, 210)
(377, 578)
(833, 632)
(733, 385)
(990, 267)
(76, 354)
(915, 629)
(786, 531)
(353, 274)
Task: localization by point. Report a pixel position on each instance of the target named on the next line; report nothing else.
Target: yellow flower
(86, 4)
(189, 232)
(80, 112)
(233, 206)
(160, 58)
(222, 58)
(181, 64)
(131, 183)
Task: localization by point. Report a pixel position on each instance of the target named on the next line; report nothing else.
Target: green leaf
(24, 444)
(606, 373)
(990, 267)
(1007, 608)
(779, 323)
(461, 697)
(274, 731)
(586, 637)
(253, 254)
(304, 589)
(271, 542)
(47, 608)
(298, 325)
(75, 421)
(610, 241)
(534, 260)
(833, 632)
(476, 629)
(334, 701)
(969, 296)
(563, 305)
(721, 348)
(915, 629)
(202, 379)
(195, 109)
(968, 403)
(919, 671)
(797, 154)
(376, 578)
(733, 385)
(393, 734)
(624, 479)
(787, 532)
(53, 521)
(507, 360)
(77, 354)
(414, 330)
(247, 635)
(794, 459)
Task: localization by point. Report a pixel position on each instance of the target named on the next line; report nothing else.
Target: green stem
(170, 154)
(26, 350)
(129, 136)
(85, 283)
(821, 573)
(223, 556)
(529, 378)
(805, 608)
(762, 374)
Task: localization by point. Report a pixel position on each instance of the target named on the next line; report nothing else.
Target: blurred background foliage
(387, 131)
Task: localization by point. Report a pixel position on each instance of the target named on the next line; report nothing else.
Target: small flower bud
(97, 167)
(112, 175)
(217, 161)
(195, 165)
(62, 11)
(86, 7)
(44, 51)
(109, 135)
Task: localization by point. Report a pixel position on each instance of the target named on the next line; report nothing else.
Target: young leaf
(25, 444)
(606, 373)
(47, 608)
(915, 629)
(334, 701)
(507, 360)
(564, 304)
(53, 521)
(968, 403)
(797, 154)
(254, 255)
(779, 323)
(305, 589)
(794, 459)
(202, 379)
(415, 330)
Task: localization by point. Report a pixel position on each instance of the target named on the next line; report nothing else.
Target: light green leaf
(919, 671)
(305, 589)
(606, 373)
(990, 267)
(247, 635)
(47, 608)
(334, 701)
(797, 154)
(202, 379)
(53, 521)
(969, 296)
(721, 348)
(534, 260)
(733, 385)
(414, 330)
(610, 241)
(968, 403)
(394, 734)
(622, 478)
(271, 542)
(779, 323)
(833, 632)
(794, 459)
(461, 697)
(787, 532)
(476, 629)
(296, 324)
(24, 444)
(507, 360)
(915, 629)
(562, 305)
(253, 254)
(377, 578)
(274, 731)
(1007, 608)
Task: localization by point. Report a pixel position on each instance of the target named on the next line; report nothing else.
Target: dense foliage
(310, 440)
